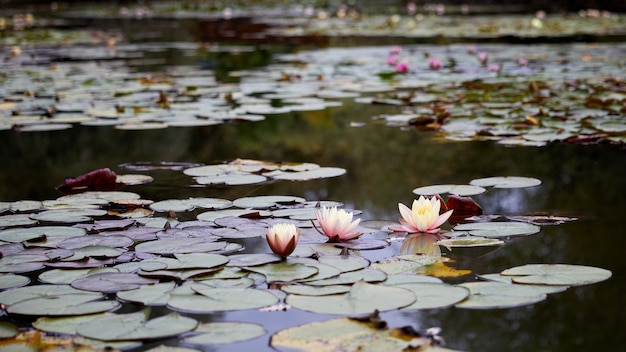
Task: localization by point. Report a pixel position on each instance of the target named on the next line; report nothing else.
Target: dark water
(383, 165)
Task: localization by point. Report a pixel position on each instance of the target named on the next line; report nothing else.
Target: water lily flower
(422, 217)
(283, 238)
(495, 67)
(337, 224)
(392, 60)
(402, 67)
(482, 57)
(395, 50)
(434, 64)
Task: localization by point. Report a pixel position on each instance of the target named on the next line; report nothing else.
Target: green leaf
(284, 272)
(497, 229)
(135, 326)
(363, 298)
(208, 300)
(557, 274)
(224, 332)
(490, 295)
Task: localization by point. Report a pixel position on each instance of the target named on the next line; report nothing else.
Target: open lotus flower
(337, 224)
(283, 238)
(422, 217)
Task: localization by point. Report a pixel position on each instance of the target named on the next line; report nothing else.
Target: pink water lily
(422, 217)
(283, 238)
(402, 67)
(434, 64)
(337, 224)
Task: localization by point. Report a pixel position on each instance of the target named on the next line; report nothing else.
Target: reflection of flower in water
(421, 243)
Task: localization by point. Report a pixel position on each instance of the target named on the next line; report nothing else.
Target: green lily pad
(471, 241)
(208, 300)
(66, 276)
(64, 325)
(41, 234)
(409, 263)
(12, 280)
(68, 216)
(345, 334)
(97, 252)
(16, 220)
(491, 295)
(363, 298)
(7, 330)
(136, 326)
(224, 332)
(217, 214)
(180, 205)
(350, 277)
(460, 190)
(345, 263)
(557, 274)
(264, 202)
(547, 289)
(111, 282)
(61, 305)
(506, 182)
(96, 240)
(497, 229)
(180, 246)
(149, 295)
(284, 272)
(252, 259)
(396, 279)
(322, 172)
(22, 263)
(434, 295)
(307, 290)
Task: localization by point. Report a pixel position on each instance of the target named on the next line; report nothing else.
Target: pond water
(384, 163)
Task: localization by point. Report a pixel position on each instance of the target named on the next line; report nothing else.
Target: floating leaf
(41, 234)
(322, 172)
(547, 289)
(409, 263)
(66, 304)
(490, 295)
(506, 182)
(264, 202)
(434, 295)
(210, 300)
(64, 325)
(252, 259)
(180, 245)
(460, 190)
(7, 330)
(135, 326)
(11, 281)
(225, 332)
(363, 298)
(284, 272)
(149, 295)
(470, 241)
(367, 275)
(111, 282)
(345, 334)
(66, 276)
(557, 274)
(306, 290)
(396, 279)
(497, 229)
(344, 263)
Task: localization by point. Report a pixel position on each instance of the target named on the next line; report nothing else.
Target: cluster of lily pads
(74, 260)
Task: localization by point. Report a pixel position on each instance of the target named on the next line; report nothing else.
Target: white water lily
(422, 217)
(337, 224)
(283, 238)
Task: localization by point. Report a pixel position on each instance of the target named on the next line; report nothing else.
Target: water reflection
(421, 243)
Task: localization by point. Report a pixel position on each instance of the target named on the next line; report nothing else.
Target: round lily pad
(307, 290)
(208, 300)
(64, 325)
(180, 245)
(434, 295)
(149, 295)
(12, 280)
(345, 263)
(498, 229)
(41, 234)
(470, 241)
(284, 272)
(363, 298)
(557, 274)
(264, 202)
(367, 275)
(322, 172)
(135, 326)
(68, 304)
(66, 276)
(460, 190)
(547, 289)
(490, 295)
(224, 332)
(506, 182)
(111, 282)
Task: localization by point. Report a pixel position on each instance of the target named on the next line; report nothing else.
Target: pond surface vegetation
(217, 123)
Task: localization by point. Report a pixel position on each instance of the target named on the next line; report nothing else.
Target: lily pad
(363, 298)
(497, 229)
(491, 295)
(471, 241)
(41, 234)
(344, 263)
(434, 295)
(66, 276)
(284, 272)
(252, 259)
(12, 280)
(460, 190)
(180, 245)
(61, 305)
(409, 263)
(208, 300)
(350, 277)
(557, 274)
(64, 325)
(506, 182)
(7, 330)
(322, 172)
(547, 289)
(224, 332)
(149, 295)
(264, 202)
(111, 282)
(136, 326)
